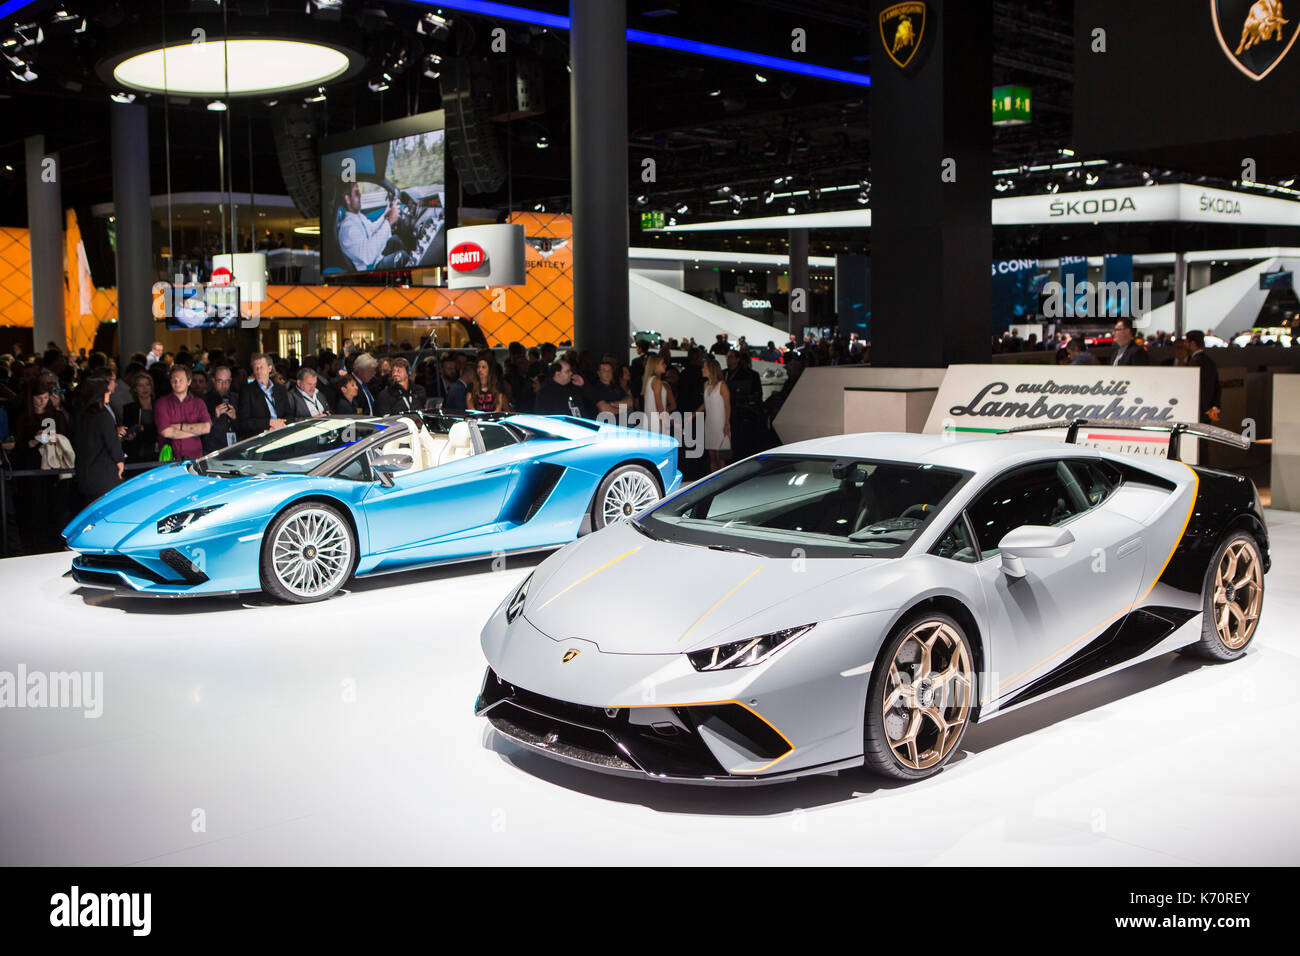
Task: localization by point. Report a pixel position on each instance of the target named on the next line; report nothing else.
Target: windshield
(785, 505)
(293, 450)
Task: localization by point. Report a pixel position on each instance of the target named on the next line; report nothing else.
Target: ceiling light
(217, 106)
(121, 97)
(432, 66)
(318, 97)
(307, 230)
(379, 83)
(790, 207)
(543, 142)
(256, 67)
(715, 92)
(23, 74)
(642, 199)
(432, 25)
(326, 9)
(760, 77)
(1066, 151)
(683, 208)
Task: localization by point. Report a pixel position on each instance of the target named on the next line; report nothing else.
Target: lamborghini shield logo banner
(902, 28)
(1255, 34)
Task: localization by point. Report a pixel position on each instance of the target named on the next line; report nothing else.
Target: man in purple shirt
(182, 418)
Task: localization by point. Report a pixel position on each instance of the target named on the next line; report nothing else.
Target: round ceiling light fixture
(234, 67)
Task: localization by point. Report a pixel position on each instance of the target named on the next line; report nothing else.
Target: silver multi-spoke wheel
(311, 553)
(626, 493)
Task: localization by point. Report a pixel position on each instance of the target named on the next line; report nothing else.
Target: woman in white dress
(717, 414)
(658, 398)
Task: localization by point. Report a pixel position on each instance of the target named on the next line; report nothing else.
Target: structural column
(598, 109)
(135, 272)
(45, 226)
(931, 167)
(798, 311)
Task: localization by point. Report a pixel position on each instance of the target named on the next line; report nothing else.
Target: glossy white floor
(226, 738)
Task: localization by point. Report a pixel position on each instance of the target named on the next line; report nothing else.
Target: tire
(623, 492)
(1238, 560)
(886, 745)
(308, 553)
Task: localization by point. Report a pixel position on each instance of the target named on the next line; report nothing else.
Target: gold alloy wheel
(929, 695)
(1238, 593)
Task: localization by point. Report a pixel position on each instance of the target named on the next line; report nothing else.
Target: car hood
(631, 594)
(162, 491)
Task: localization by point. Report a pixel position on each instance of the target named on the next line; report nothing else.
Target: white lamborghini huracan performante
(865, 598)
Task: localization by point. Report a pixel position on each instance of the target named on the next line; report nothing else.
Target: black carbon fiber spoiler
(1175, 430)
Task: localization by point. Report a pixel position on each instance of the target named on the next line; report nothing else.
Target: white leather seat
(460, 443)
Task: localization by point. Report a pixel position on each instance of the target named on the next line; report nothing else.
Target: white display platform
(238, 711)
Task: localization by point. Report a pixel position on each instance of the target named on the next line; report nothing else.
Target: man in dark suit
(221, 409)
(1211, 391)
(1127, 351)
(262, 403)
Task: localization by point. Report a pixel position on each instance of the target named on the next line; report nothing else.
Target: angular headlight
(753, 650)
(183, 519)
(516, 605)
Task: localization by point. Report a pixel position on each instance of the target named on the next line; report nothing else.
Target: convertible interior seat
(459, 444)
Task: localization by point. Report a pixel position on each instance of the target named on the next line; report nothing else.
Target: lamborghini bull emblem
(569, 655)
(1254, 34)
(902, 28)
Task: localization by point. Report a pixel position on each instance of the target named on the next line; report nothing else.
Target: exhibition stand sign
(987, 399)
(480, 257)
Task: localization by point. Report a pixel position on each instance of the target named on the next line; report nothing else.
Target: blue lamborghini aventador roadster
(297, 511)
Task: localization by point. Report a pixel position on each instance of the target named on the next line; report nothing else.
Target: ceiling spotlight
(432, 25)
(543, 142)
(29, 34)
(724, 190)
(760, 77)
(672, 221)
(62, 19)
(683, 208)
(1066, 151)
(768, 196)
(121, 97)
(864, 197)
(326, 9)
(790, 207)
(432, 66)
(539, 206)
(642, 199)
(1002, 185)
(1091, 179)
(379, 83)
(1053, 187)
(318, 97)
(217, 106)
(23, 74)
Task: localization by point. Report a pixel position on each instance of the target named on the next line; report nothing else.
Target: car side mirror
(385, 466)
(1032, 541)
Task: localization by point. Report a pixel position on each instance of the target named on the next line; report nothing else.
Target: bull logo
(1254, 34)
(902, 27)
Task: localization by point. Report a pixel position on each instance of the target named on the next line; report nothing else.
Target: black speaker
(297, 128)
(468, 100)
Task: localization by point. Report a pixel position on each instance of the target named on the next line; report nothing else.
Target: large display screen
(384, 192)
(1269, 281)
(202, 307)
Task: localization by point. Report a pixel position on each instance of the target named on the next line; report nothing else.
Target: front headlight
(183, 519)
(753, 650)
(516, 605)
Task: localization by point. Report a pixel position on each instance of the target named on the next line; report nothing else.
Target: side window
(1097, 479)
(358, 469)
(494, 436)
(1036, 494)
(956, 543)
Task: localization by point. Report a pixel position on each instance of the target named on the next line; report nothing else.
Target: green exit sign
(1010, 105)
(652, 220)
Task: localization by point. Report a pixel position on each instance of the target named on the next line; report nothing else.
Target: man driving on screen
(361, 239)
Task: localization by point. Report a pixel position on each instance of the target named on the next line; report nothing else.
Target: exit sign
(652, 220)
(1010, 105)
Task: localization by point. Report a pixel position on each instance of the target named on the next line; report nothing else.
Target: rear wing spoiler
(1175, 430)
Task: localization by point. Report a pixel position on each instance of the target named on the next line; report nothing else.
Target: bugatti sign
(985, 399)
(479, 257)
(467, 257)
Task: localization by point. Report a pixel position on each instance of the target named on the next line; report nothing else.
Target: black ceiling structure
(724, 136)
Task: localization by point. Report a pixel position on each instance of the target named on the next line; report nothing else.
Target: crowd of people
(91, 424)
